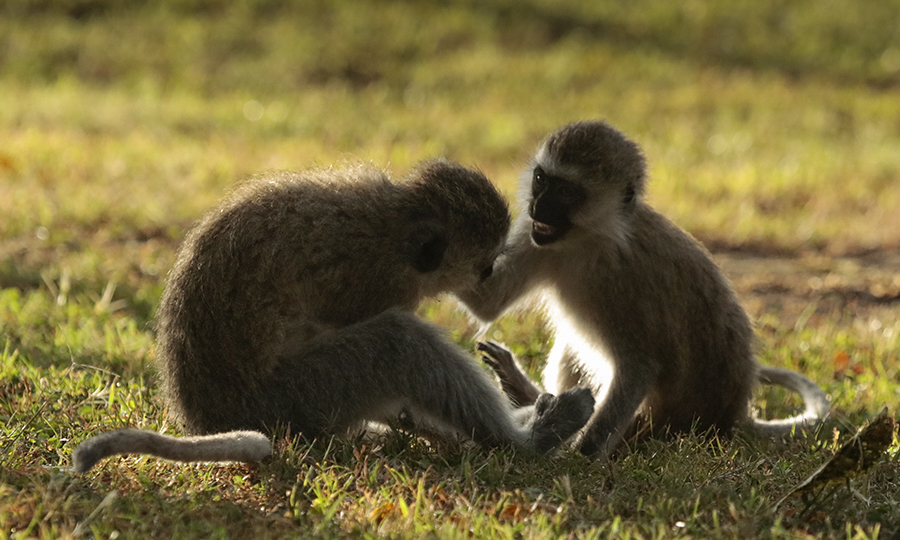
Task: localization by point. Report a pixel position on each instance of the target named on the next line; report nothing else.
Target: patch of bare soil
(787, 285)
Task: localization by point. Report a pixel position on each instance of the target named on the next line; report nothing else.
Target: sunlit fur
(642, 314)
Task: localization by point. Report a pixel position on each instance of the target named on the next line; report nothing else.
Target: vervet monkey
(291, 304)
(642, 315)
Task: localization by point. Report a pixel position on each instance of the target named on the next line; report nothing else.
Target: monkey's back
(272, 267)
(663, 299)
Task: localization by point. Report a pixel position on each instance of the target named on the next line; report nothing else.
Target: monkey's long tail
(815, 401)
(247, 446)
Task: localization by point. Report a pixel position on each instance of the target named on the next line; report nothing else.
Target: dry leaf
(856, 456)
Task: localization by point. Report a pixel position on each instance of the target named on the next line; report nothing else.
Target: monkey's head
(460, 222)
(585, 176)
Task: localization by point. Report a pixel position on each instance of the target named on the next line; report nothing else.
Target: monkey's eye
(539, 180)
(486, 273)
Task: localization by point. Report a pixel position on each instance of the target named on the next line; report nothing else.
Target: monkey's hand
(556, 418)
(515, 383)
(498, 357)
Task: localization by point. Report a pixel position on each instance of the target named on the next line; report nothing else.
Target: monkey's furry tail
(247, 446)
(815, 401)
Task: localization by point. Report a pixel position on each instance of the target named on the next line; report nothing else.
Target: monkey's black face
(553, 200)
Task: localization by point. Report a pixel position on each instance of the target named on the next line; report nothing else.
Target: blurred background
(772, 127)
(772, 123)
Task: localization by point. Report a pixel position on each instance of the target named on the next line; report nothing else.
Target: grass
(772, 131)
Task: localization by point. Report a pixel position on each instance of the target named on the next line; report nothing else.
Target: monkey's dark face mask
(553, 200)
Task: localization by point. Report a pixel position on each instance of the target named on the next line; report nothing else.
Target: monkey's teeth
(543, 228)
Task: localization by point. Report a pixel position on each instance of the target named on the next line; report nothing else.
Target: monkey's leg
(616, 413)
(513, 380)
(395, 361)
(447, 386)
(564, 369)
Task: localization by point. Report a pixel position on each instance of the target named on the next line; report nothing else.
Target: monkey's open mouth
(543, 234)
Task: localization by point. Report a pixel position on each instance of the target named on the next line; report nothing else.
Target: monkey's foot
(556, 418)
(498, 357)
(516, 385)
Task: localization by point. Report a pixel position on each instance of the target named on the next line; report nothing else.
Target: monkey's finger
(493, 349)
(486, 350)
(493, 364)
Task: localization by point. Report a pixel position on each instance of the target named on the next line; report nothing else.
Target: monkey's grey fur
(247, 446)
(290, 305)
(642, 314)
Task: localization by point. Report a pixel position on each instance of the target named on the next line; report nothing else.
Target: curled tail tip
(815, 401)
(786, 426)
(817, 406)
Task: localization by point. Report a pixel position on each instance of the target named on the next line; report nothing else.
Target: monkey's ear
(629, 199)
(426, 247)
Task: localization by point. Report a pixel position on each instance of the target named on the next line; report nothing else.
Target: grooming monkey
(628, 292)
(291, 304)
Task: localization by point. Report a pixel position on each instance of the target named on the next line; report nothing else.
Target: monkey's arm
(518, 387)
(615, 415)
(515, 273)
